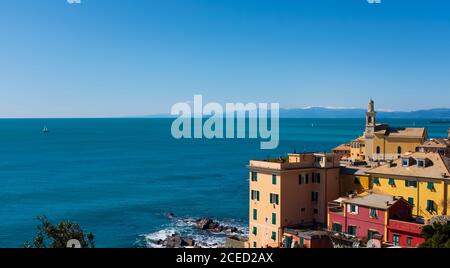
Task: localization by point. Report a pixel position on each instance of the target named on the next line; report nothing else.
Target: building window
(300, 178)
(399, 150)
(430, 206)
(411, 183)
(376, 181)
(396, 239)
(370, 234)
(357, 181)
(254, 176)
(302, 242)
(255, 214)
(405, 162)
(353, 209)
(255, 195)
(337, 227)
(274, 236)
(392, 182)
(274, 199)
(430, 186)
(274, 218)
(255, 230)
(351, 230)
(421, 163)
(314, 196)
(409, 241)
(373, 212)
(274, 179)
(315, 178)
(378, 150)
(254, 244)
(306, 178)
(411, 201)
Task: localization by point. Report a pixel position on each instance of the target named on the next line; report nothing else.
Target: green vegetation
(437, 235)
(57, 236)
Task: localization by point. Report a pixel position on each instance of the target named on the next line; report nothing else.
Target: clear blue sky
(120, 57)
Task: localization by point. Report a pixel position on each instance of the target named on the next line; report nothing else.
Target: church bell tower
(370, 120)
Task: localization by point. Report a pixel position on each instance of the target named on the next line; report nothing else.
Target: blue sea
(118, 178)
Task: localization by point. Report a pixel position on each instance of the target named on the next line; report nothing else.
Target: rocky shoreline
(202, 224)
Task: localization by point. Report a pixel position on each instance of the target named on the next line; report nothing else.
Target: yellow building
(288, 192)
(353, 180)
(358, 149)
(421, 178)
(380, 142)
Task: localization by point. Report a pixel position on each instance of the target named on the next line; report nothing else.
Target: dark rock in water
(176, 241)
(231, 229)
(204, 223)
(190, 242)
(171, 216)
(214, 227)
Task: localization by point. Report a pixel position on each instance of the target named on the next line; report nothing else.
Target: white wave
(185, 227)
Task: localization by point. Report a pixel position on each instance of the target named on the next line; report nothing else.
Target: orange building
(290, 191)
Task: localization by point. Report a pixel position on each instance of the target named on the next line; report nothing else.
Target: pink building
(404, 234)
(366, 216)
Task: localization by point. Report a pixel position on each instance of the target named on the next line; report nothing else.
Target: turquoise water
(119, 177)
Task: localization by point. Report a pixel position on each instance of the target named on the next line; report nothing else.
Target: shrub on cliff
(57, 236)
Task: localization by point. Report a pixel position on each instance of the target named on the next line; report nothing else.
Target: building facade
(367, 216)
(420, 178)
(380, 142)
(290, 191)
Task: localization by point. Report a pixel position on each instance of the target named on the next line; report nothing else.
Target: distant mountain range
(323, 112)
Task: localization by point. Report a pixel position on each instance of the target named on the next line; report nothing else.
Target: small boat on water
(45, 129)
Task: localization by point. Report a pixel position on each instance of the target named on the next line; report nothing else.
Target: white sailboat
(45, 129)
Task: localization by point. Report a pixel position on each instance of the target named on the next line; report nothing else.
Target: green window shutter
(254, 176)
(255, 230)
(396, 239)
(411, 201)
(274, 236)
(407, 183)
(376, 180)
(430, 185)
(254, 244)
(276, 199)
(430, 205)
(369, 234)
(337, 227)
(257, 195)
(255, 214)
(373, 213)
(391, 182)
(274, 179)
(274, 218)
(302, 242)
(351, 230)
